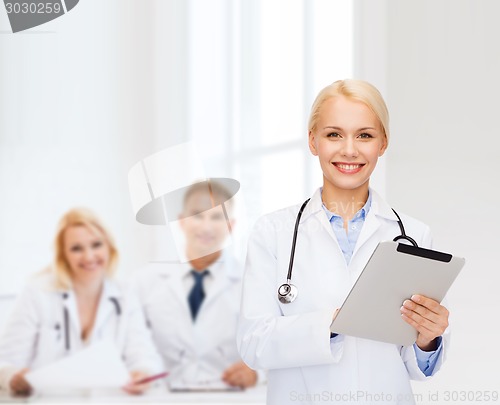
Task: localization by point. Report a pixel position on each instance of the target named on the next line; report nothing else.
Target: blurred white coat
(35, 334)
(198, 351)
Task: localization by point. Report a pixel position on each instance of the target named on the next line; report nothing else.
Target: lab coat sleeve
(261, 376)
(410, 359)
(408, 352)
(139, 350)
(18, 338)
(267, 339)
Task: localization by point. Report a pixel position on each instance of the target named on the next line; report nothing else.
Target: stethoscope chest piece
(287, 293)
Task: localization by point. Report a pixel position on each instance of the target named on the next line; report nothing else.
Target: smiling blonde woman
(338, 231)
(74, 304)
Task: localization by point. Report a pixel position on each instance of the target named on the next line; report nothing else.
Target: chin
(92, 274)
(346, 185)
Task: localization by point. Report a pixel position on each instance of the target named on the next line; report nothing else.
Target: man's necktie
(197, 294)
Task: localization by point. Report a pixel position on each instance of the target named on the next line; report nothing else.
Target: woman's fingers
(427, 316)
(19, 385)
(134, 387)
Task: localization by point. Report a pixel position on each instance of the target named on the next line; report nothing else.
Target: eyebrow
(340, 129)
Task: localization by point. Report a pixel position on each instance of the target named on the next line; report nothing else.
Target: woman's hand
(240, 375)
(19, 385)
(428, 317)
(133, 387)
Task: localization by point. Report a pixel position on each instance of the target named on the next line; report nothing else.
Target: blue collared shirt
(347, 241)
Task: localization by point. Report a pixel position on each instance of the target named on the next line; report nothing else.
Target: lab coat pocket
(50, 344)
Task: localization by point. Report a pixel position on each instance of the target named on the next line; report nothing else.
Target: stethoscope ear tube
(67, 337)
(66, 324)
(294, 240)
(403, 235)
(288, 292)
(66, 329)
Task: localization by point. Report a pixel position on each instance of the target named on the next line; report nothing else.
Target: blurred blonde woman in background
(73, 304)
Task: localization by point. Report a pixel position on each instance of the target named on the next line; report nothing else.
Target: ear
(312, 143)
(383, 148)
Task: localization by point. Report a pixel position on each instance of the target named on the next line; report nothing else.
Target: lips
(205, 238)
(348, 168)
(91, 266)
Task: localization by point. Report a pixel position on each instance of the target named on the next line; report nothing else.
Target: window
(263, 62)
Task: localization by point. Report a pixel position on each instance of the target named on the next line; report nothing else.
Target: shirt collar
(214, 269)
(110, 288)
(361, 214)
(378, 206)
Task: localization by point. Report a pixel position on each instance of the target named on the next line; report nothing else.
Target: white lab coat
(292, 340)
(198, 351)
(34, 336)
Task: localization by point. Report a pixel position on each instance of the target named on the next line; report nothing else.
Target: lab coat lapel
(379, 211)
(69, 303)
(219, 285)
(371, 225)
(106, 307)
(172, 308)
(172, 278)
(314, 208)
(224, 277)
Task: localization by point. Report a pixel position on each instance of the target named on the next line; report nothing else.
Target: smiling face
(87, 254)
(348, 140)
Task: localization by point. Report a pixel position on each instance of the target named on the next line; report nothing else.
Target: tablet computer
(393, 274)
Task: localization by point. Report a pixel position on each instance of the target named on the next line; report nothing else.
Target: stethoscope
(287, 292)
(67, 339)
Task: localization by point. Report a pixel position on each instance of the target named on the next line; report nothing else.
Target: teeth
(349, 167)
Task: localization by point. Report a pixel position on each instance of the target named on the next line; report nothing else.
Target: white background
(86, 96)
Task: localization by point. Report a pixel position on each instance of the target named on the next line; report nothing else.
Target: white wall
(83, 98)
(442, 81)
(87, 95)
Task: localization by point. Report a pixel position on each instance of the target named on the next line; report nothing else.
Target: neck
(88, 290)
(201, 263)
(342, 202)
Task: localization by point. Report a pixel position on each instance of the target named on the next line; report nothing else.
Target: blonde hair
(355, 90)
(86, 218)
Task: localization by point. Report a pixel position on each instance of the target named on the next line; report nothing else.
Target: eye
(217, 217)
(76, 248)
(192, 214)
(333, 135)
(97, 244)
(365, 135)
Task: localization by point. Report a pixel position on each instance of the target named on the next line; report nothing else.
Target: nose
(88, 254)
(349, 147)
(208, 224)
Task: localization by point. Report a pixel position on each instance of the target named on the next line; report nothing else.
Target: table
(252, 396)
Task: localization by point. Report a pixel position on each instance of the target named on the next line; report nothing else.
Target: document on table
(97, 366)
